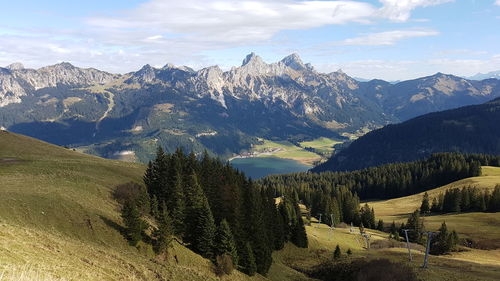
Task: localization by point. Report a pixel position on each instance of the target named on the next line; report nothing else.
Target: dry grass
(59, 222)
(483, 228)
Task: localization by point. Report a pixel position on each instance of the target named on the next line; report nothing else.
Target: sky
(385, 39)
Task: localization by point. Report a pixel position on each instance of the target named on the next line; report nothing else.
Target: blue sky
(387, 39)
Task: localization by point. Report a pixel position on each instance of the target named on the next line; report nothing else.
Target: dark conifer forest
(383, 182)
(470, 129)
(216, 211)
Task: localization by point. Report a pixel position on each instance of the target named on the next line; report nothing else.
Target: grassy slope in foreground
(473, 265)
(58, 221)
(476, 226)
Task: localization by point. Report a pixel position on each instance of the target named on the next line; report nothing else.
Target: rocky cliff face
(16, 81)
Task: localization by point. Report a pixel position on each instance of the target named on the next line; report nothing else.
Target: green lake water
(258, 167)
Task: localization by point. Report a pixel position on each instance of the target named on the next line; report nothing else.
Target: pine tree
(200, 225)
(299, 237)
(424, 207)
(178, 205)
(349, 252)
(337, 253)
(279, 230)
(155, 211)
(163, 234)
(453, 240)
(380, 225)
(394, 231)
(443, 242)
(435, 206)
(224, 242)
(134, 225)
(247, 260)
(494, 202)
(416, 225)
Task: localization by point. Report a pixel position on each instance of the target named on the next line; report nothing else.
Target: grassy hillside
(476, 226)
(470, 265)
(59, 222)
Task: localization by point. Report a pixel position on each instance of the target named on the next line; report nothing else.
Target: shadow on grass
(114, 225)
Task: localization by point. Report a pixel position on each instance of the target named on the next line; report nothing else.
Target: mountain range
(224, 112)
(489, 75)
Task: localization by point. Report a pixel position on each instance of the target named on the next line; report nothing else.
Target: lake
(258, 167)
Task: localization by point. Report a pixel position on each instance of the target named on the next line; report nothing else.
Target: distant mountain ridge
(470, 129)
(489, 75)
(221, 111)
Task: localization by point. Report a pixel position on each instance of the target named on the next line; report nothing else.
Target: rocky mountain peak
(15, 66)
(61, 65)
(145, 75)
(294, 61)
(170, 66)
(252, 59)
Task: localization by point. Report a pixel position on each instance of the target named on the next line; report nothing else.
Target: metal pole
(429, 237)
(408, 243)
(367, 239)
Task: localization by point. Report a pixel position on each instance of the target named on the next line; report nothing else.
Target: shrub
(363, 270)
(224, 265)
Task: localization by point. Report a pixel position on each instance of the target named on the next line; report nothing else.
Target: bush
(224, 265)
(133, 193)
(363, 270)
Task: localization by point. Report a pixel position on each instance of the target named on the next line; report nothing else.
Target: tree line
(214, 209)
(466, 199)
(387, 181)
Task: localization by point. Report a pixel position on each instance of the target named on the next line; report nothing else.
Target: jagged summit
(15, 66)
(252, 59)
(294, 62)
(170, 66)
(61, 65)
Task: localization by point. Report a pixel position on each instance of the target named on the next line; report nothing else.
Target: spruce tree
(155, 211)
(247, 260)
(337, 253)
(435, 205)
(494, 202)
(178, 205)
(425, 207)
(380, 225)
(224, 242)
(443, 242)
(163, 234)
(200, 225)
(299, 237)
(416, 225)
(134, 225)
(394, 231)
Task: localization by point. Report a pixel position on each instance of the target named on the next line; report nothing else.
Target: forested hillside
(471, 129)
(387, 181)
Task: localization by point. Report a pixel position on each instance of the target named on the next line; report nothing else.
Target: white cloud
(386, 38)
(497, 2)
(234, 21)
(180, 32)
(400, 10)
